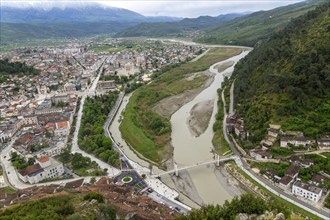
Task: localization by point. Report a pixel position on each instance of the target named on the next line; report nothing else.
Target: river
(188, 149)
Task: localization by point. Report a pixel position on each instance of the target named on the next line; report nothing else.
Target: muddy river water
(189, 150)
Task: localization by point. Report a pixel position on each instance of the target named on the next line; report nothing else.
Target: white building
(307, 191)
(52, 151)
(45, 168)
(62, 128)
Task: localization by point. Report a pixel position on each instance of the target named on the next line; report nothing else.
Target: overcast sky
(182, 8)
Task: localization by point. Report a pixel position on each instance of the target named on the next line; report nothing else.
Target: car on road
(177, 209)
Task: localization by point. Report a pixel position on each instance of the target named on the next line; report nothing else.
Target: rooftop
(31, 170)
(308, 187)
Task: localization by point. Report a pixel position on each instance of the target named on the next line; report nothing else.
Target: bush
(94, 195)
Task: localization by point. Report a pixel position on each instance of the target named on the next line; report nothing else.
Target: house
(273, 132)
(293, 171)
(324, 142)
(317, 179)
(110, 84)
(69, 87)
(62, 128)
(306, 191)
(285, 182)
(239, 130)
(46, 167)
(272, 174)
(260, 154)
(60, 98)
(307, 162)
(294, 159)
(290, 176)
(295, 141)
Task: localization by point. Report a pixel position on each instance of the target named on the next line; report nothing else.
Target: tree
(31, 161)
(93, 180)
(94, 195)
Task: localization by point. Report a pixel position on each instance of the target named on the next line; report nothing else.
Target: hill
(161, 29)
(10, 32)
(70, 21)
(286, 79)
(248, 30)
(86, 12)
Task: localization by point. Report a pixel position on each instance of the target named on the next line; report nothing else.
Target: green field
(146, 131)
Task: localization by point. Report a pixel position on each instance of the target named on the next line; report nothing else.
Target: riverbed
(207, 184)
(189, 149)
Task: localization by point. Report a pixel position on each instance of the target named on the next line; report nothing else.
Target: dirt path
(168, 106)
(200, 115)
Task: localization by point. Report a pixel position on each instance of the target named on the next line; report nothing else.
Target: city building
(307, 191)
(62, 128)
(45, 168)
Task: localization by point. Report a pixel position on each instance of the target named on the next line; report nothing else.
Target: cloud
(181, 8)
(188, 8)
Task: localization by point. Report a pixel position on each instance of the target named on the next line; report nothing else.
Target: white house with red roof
(45, 168)
(62, 128)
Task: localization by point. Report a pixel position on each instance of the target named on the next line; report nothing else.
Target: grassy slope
(248, 30)
(285, 80)
(145, 130)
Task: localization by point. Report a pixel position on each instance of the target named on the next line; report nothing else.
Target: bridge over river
(216, 161)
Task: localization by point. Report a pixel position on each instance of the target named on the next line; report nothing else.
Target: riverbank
(209, 182)
(149, 132)
(199, 118)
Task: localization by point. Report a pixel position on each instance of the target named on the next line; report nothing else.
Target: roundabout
(127, 179)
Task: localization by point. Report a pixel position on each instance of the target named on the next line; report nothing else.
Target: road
(164, 194)
(231, 103)
(75, 148)
(268, 185)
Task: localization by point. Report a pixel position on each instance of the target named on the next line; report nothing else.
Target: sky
(181, 8)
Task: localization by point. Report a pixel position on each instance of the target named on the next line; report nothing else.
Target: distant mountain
(161, 29)
(45, 21)
(86, 13)
(10, 32)
(285, 80)
(248, 30)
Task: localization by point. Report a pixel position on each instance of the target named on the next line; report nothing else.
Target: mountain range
(91, 12)
(160, 29)
(285, 80)
(90, 19)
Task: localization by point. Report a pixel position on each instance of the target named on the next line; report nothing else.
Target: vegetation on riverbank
(285, 80)
(91, 133)
(219, 142)
(146, 131)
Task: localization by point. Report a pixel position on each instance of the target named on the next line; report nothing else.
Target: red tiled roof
(62, 124)
(31, 169)
(43, 159)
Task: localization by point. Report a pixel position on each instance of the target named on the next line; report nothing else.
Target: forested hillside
(175, 29)
(286, 80)
(250, 29)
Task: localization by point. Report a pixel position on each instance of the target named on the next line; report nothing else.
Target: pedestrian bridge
(177, 169)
